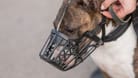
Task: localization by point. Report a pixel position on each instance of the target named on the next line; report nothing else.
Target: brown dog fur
(80, 17)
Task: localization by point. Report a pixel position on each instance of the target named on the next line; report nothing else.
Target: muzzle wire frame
(63, 53)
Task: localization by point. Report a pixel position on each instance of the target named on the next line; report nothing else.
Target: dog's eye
(70, 30)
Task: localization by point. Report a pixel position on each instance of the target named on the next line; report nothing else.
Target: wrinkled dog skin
(81, 16)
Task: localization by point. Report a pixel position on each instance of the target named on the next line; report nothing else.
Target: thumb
(106, 4)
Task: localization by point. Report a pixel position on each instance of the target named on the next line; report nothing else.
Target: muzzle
(64, 53)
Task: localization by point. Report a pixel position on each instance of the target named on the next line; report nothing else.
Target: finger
(119, 11)
(107, 14)
(106, 4)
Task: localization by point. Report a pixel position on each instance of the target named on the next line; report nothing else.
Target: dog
(114, 58)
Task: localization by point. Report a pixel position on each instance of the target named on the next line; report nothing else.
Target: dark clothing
(135, 20)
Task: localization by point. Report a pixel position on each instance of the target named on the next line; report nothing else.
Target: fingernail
(102, 7)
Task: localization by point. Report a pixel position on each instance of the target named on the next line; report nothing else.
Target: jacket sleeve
(135, 20)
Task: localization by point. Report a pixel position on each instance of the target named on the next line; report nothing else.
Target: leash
(135, 20)
(113, 35)
(121, 28)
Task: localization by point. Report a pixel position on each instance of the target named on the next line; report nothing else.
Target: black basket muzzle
(64, 53)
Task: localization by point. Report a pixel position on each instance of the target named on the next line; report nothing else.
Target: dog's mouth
(62, 51)
(66, 60)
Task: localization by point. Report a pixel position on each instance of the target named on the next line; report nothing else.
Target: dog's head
(81, 16)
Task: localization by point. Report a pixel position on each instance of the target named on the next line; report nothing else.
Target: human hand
(121, 7)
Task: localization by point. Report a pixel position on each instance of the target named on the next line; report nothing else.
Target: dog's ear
(93, 4)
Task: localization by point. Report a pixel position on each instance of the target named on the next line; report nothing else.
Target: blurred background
(24, 27)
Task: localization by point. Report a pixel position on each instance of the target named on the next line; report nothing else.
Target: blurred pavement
(24, 27)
